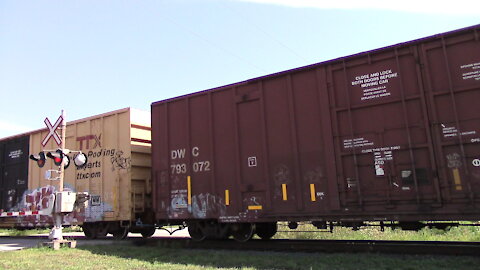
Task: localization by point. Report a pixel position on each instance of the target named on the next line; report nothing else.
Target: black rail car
(13, 171)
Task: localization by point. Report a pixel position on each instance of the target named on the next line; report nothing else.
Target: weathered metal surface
(390, 134)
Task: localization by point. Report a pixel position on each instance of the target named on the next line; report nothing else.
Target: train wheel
(89, 231)
(242, 232)
(196, 232)
(101, 229)
(266, 230)
(120, 233)
(222, 231)
(148, 232)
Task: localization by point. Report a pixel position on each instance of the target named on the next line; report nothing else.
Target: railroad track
(348, 246)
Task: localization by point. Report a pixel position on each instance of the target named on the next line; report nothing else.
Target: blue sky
(91, 57)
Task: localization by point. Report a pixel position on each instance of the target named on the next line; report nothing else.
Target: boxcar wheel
(196, 232)
(100, 229)
(242, 232)
(89, 231)
(148, 232)
(120, 233)
(266, 230)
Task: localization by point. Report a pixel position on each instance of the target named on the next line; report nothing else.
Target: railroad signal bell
(80, 160)
(40, 159)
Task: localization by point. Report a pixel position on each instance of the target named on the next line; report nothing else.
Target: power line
(212, 44)
(264, 32)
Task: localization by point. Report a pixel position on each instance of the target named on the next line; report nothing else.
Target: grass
(461, 233)
(123, 256)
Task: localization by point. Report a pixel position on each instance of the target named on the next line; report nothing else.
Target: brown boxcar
(117, 175)
(386, 135)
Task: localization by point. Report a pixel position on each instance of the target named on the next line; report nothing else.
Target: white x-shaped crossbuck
(52, 132)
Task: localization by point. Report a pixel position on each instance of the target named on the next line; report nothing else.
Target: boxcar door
(383, 149)
(250, 151)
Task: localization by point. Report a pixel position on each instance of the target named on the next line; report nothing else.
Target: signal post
(64, 201)
(56, 233)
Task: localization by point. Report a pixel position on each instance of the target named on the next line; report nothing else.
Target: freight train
(389, 136)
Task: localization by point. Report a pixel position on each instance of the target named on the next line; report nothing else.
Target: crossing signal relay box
(65, 201)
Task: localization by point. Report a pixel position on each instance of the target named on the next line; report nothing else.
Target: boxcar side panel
(452, 78)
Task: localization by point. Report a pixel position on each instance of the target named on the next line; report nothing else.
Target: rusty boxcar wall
(391, 134)
(116, 176)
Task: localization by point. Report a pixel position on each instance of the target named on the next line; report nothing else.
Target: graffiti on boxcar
(281, 175)
(314, 176)
(253, 204)
(204, 205)
(39, 199)
(95, 163)
(121, 162)
(178, 199)
(96, 209)
(454, 160)
(163, 178)
(178, 203)
(11, 198)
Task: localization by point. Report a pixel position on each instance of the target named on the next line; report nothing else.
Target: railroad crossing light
(80, 160)
(59, 157)
(40, 159)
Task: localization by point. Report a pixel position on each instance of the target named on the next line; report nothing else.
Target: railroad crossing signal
(52, 132)
(60, 157)
(40, 159)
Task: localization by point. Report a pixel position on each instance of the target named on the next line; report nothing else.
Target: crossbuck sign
(52, 132)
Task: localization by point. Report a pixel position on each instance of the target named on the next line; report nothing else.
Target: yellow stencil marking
(312, 193)
(284, 192)
(457, 179)
(227, 197)
(189, 190)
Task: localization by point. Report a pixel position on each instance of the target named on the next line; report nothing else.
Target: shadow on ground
(154, 253)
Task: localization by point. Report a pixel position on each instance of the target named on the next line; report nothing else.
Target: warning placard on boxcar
(375, 85)
(471, 71)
